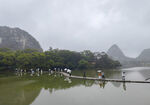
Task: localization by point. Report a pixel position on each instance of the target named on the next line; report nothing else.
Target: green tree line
(54, 58)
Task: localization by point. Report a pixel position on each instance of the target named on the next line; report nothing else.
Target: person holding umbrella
(99, 74)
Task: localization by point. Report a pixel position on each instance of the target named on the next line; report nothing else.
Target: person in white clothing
(69, 72)
(123, 75)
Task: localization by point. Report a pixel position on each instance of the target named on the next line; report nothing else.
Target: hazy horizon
(82, 24)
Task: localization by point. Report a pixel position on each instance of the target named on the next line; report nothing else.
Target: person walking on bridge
(103, 76)
(123, 76)
(69, 72)
(99, 74)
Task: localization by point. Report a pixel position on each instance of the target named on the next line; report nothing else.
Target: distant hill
(117, 54)
(17, 39)
(144, 56)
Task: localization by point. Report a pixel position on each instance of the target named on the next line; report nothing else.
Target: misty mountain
(117, 54)
(144, 56)
(17, 39)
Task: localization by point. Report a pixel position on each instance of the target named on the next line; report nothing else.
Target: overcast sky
(82, 24)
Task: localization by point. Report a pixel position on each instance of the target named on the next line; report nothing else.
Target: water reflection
(116, 84)
(23, 89)
(67, 79)
(124, 86)
(137, 73)
(14, 91)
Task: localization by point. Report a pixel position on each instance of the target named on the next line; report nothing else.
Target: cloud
(82, 24)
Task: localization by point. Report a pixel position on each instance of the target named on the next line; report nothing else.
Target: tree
(83, 64)
(88, 55)
(54, 58)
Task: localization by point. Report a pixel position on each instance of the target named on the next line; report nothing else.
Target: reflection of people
(41, 71)
(123, 76)
(102, 84)
(49, 70)
(124, 86)
(84, 74)
(38, 74)
(68, 80)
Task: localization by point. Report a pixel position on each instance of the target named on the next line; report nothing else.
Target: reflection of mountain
(14, 92)
(24, 90)
(137, 73)
(142, 60)
(57, 82)
(113, 74)
(116, 84)
(141, 72)
(145, 74)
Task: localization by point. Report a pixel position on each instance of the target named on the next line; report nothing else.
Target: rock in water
(17, 39)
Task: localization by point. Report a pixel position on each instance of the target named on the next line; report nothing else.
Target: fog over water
(82, 24)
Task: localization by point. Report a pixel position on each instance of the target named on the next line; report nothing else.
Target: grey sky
(82, 24)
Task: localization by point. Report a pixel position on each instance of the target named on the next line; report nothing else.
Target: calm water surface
(54, 89)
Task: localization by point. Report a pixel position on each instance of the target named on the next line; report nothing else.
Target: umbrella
(99, 71)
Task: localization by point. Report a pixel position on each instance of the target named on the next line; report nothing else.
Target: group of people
(102, 76)
(68, 71)
(40, 71)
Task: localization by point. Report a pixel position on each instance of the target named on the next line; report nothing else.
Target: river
(54, 89)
